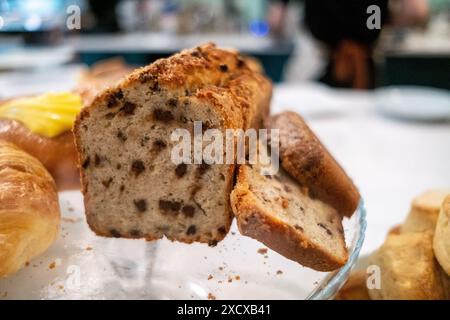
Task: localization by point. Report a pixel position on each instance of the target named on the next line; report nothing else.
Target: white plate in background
(414, 103)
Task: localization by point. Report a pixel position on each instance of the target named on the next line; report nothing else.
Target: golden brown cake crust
(305, 158)
(205, 72)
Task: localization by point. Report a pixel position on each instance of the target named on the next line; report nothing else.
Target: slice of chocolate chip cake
(275, 210)
(131, 186)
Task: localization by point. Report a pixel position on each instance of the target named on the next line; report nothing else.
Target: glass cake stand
(81, 265)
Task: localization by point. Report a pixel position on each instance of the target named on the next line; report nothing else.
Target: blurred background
(372, 77)
(305, 40)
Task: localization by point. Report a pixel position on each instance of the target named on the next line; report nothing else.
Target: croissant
(29, 209)
(57, 154)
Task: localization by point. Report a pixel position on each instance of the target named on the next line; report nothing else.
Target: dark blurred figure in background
(104, 13)
(341, 25)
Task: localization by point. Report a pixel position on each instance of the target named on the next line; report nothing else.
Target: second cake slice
(275, 210)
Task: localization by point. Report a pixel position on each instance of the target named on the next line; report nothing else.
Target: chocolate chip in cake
(180, 170)
(128, 108)
(188, 211)
(222, 177)
(118, 94)
(298, 227)
(163, 115)
(196, 54)
(137, 167)
(114, 98)
(121, 136)
(122, 188)
(144, 140)
(107, 183)
(196, 188)
(148, 77)
(97, 160)
(203, 168)
(141, 205)
(167, 205)
(110, 115)
(86, 163)
(135, 233)
(240, 62)
(223, 68)
(191, 230)
(155, 86)
(212, 243)
(118, 166)
(172, 102)
(222, 230)
(325, 228)
(115, 233)
(159, 145)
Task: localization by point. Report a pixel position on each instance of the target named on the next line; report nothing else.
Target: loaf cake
(441, 242)
(304, 157)
(275, 210)
(131, 187)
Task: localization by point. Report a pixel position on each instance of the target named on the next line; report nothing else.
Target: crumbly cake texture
(304, 157)
(131, 187)
(276, 211)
